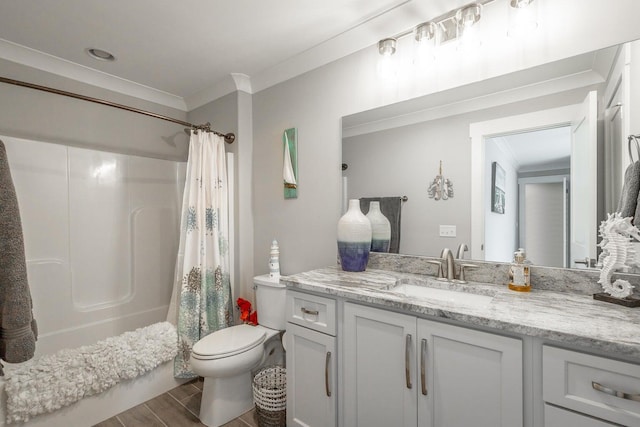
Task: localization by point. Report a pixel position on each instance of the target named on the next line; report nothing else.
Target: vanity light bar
(446, 24)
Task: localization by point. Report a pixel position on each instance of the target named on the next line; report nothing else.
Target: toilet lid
(229, 341)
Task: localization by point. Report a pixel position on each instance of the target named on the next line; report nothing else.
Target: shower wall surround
(101, 234)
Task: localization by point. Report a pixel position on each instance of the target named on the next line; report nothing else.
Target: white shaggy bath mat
(53, 381)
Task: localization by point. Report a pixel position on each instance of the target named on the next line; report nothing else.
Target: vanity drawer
(313, 312)
(588, 384)
(558, 417)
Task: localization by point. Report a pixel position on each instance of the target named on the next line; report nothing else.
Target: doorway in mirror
(537, 166)
(575, 168)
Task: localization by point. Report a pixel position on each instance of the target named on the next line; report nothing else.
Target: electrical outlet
(447, 231)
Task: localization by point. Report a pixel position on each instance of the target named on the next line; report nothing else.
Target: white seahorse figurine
(617, 253)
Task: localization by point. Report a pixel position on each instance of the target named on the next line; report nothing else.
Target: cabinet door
(311, 378)
(472, 378)
(379, 368)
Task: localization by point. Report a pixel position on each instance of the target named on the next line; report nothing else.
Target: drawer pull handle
(423, 368)
(310, 312)
(407, 361)
(326, 374)
(616, 393)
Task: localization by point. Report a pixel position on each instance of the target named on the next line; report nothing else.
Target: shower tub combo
(101, 236)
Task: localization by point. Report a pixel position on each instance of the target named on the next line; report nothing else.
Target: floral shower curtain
(201, 302)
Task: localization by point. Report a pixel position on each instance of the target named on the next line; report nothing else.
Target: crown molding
(242, 81)
(42, 61)
(389, 20)
(463, 104)
(231, 83)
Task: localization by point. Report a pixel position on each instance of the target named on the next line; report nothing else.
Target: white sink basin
(443, 295)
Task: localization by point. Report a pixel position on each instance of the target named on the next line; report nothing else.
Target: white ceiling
(176, 50)
(544, 148)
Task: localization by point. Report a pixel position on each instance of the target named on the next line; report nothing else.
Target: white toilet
(225, 358)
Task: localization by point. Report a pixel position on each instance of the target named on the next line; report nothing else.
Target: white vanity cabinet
(473, 378)
(403, 371)
(595, 386)
(311, 361)
(379, 357)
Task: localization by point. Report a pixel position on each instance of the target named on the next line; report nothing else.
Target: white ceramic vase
(380, 229)
(354, 238)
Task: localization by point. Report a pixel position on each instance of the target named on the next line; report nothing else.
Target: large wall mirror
(554, 137)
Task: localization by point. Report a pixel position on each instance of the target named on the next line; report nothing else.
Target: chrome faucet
(447, 256)
(461, 250)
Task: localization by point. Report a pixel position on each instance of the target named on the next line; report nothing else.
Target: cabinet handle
(326, 374)
(423, 370)
(615, 393)
(589, 262)
(407, 361)
(310, 312)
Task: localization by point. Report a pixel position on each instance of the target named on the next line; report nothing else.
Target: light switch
(447, 231)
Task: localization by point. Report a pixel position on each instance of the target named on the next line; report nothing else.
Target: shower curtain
(201, 301)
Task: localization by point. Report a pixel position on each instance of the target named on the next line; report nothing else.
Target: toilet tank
(270, 302)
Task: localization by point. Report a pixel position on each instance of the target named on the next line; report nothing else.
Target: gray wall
(304, 227)
(315, 102)
(40, 116)
(222, 114)
(31, 114)
(405, 160)
(245, 212)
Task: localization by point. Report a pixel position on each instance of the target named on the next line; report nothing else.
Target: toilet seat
(228, 342)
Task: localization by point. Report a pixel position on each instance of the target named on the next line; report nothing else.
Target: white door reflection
(537, 166)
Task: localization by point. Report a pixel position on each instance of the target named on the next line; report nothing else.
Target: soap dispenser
(519, 273)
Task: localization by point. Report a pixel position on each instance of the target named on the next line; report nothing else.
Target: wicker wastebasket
(270, 396)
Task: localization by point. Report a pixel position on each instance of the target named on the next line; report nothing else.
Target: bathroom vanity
(389, 347)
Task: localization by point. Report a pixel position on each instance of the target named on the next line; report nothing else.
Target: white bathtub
(92, 410)
(101, 236)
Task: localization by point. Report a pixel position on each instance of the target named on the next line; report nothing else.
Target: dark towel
(18, 331)
(391, 207)
(628, 203)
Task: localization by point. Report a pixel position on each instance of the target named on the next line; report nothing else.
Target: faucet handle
(462, 248)
(440, 269)
(462, 268)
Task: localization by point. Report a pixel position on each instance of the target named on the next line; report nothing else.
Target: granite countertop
(569, 318)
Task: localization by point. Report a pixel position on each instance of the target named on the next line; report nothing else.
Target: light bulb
(426, 41)
(387, 68)
(467, 26)
(523, 17)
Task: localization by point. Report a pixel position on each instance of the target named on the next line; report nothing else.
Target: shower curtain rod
(228, 138)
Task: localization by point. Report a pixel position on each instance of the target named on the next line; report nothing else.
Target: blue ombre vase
(380, 229)
(354, 238)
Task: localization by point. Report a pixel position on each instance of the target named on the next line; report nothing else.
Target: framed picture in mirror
(498, 186)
